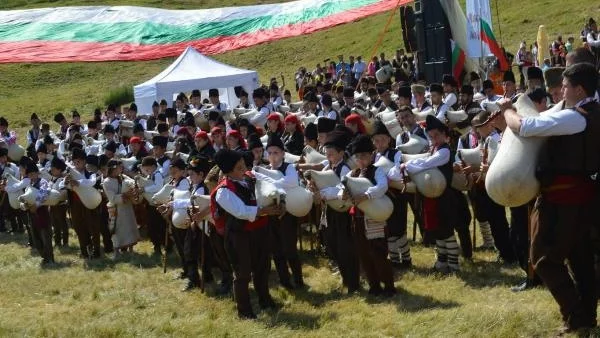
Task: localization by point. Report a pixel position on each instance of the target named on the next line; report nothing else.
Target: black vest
(446, 168)
(162, 160)
(577, 154)
(369, 174)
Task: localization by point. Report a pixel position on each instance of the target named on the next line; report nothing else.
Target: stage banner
(477, 10)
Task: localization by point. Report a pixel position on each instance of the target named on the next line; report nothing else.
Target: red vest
(220, 215)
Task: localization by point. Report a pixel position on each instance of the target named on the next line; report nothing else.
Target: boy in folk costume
(284, 230)
(491, 215)
(93, 166)
(58, 213)
(242, 222)
(40, 218)
(18, 217)
(181, 183)
(566, 208)
(338, 235)
(85, 226)
(439, 213)
(156, 223)
(196, 169)
(397, 242)
(369, 235)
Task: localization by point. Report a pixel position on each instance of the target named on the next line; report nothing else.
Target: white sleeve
(459, 146)
(591, 42)
(441, 115)
(440, 157)
(157, 185)
(398, 157)
(332, 115)
(235, 206)
(88, 182)
(564, 122)
(24, 183)
(258, 118)
(378, 190)
(450, 100)
(113, 197)
(164, 170)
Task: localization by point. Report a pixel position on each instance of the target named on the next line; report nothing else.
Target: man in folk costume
(490, 94)
(6, 211)
(284, 230)
(385, 100)
(33, 135)
(509, 85)
(64, 125)
(397, 241)
(421, 102)
(171, 115)
(450, 89)
(58, 213)
(338, 235)
(370, 235)
(439, 213)
(259, 96)
(565, 210)
(535, 79)
(213, 96)
(152, 120)
(244, 225)
(467, 104)
(438, 106)
(553, 79)
(404, 97)
(327, 111)
(82, 220)
(347, 103)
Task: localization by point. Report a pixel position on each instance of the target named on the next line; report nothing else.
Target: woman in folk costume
(203, 146)
(355, 124)
(284, 230)
(369, 235)
(197, 168)
(439, 213)
(274, 125)
(338, 234)
(398, 246)
(293, 137)
(122, 222)
(238, 218)
(235, 141)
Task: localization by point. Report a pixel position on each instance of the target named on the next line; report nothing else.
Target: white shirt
(275, 102)
(359, 68)
(439, 158)
(450, 99)
(378, 190)
(10, 168)
(22, 184)
(337, 192)
(397, 156)
(563, 122)
(441, 112)
(164, 169)
(591, 41)
(289, 180)
(332, 115)
(260, 119)
(84, 182)
(489, 100)
(158, 182)
(229, 201)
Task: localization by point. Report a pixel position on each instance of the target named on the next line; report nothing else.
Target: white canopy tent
(190, 71)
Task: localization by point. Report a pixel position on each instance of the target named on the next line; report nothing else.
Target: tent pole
(499, 26)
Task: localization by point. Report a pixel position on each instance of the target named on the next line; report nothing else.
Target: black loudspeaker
(433, 35)
(407, 22)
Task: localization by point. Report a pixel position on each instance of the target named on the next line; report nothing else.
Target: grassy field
(132, 297)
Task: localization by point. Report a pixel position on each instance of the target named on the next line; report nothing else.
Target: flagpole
(481, 57)
(499, 26)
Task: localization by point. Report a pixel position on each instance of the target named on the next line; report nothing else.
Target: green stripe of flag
(152, 33)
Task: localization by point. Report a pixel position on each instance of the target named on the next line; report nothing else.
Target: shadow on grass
(412, 302)
(294, 320)
(58, 265)
(482, 274)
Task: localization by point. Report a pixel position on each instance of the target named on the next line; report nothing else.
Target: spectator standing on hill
(593, 41)
(372, 67)
(520, 60)
(358, 69)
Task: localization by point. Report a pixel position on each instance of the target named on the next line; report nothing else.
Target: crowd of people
(121, 172)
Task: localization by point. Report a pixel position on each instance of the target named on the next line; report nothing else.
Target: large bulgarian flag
(99, 33)
(488, 37)
(458, 59)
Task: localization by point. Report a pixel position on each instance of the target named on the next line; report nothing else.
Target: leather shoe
(526, 285)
